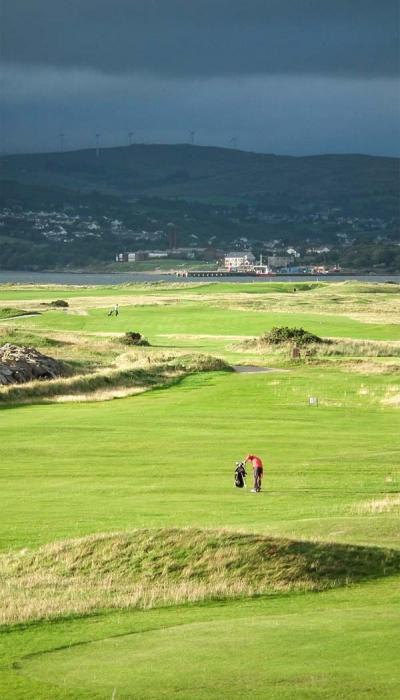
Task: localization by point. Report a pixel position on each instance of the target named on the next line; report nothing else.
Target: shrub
(59, 303)
(283, 334)
(134, 338)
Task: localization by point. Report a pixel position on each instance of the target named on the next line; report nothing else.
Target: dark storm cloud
(200, 38)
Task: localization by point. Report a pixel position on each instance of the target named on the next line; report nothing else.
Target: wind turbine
(192, 134)
(97, 145)
(233, 141)
(61, 136)
(130, 137)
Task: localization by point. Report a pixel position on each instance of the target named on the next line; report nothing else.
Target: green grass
(163, 460)
(189, 318)
(9, 292)
(143, 375)
(6, 313)
(148, 568)
(159, 265)
(21, 336)
(332, 645)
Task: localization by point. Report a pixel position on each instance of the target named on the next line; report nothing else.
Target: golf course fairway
(130, 566)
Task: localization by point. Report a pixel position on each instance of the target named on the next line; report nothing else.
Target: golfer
(114, 311)
(258, 471)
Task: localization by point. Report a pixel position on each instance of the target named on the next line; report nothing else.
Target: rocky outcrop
(19, 364)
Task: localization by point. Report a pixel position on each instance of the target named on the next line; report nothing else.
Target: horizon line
(54, 152)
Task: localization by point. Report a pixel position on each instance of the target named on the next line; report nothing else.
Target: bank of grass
(9, 312)
(140, 372)
(329, 347)
(22, 336)
(149, 568)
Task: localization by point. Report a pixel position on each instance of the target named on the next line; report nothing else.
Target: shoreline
(82, 278)
(206, 273)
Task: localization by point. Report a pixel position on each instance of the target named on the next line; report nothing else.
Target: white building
(157, 254)
(292, 251)
(320, 249)
(236, 260)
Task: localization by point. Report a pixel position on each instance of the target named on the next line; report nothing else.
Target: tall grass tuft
(146, 568)
(134, 372)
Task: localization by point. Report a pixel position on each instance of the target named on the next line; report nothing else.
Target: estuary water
(106, 278)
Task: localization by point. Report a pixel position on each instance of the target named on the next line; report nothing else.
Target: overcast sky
(282, 76)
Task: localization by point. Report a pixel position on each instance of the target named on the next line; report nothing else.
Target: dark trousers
(257, 474)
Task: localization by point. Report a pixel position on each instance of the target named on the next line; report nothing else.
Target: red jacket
(255, 461)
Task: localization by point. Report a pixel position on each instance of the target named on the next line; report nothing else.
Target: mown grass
(340, 643)
(162, 462)
(371, 303)
(166, 457)
(188, 317)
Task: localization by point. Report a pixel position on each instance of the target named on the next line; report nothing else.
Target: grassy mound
(8, 312)
(20, 336)
(151, 373)
(145, 568)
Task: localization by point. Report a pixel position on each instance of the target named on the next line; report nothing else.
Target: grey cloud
(280, 114)
(189, 38)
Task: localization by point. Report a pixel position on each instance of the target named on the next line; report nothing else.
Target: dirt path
(255, 369)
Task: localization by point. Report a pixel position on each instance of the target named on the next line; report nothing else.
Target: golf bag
(240, 475)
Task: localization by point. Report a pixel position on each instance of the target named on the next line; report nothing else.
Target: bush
(134, 338)
(59, 303)
(283, 334)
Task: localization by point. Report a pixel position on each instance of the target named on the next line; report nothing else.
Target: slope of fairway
(333, 645)
(166, 458)
(207, 319)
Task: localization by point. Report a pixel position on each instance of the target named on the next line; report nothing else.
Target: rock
(19, 364)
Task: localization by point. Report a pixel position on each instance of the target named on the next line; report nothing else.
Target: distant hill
(357, 184)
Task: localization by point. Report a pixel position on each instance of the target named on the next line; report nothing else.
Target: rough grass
(146, 568)
(359, 348)
(20, 336)
(349, 354)
(10, 312)
(104, 384)
(378, 505)
(368, 367)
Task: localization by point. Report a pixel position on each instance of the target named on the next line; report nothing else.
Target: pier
(217, 273)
